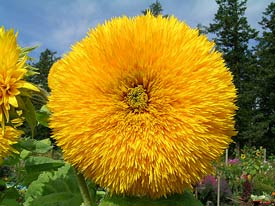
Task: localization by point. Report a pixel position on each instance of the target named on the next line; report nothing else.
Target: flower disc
(142, 105)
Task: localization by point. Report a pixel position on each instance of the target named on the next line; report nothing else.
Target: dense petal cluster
(142, 105)
(7, 139)
(12, 71)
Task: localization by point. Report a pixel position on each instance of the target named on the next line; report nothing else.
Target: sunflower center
(137, 98)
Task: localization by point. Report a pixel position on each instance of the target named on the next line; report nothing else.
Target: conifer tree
(265, 52)
(46, 60)
(155, 9)
(232, 35)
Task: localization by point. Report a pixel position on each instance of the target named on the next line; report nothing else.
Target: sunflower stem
(84, 190)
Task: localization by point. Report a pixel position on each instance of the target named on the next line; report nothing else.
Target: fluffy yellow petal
(142, 105)
(9, 49)
(7, 139)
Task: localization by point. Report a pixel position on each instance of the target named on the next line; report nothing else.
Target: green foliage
(31, 160)
(42, 116)
(34, 146)
(10, 197)
(25, 52)
(38, 164)
(265, 119)
(264, 180)
(54, 189)
(176, 200)
(252, 161)
(259, 188)
(25, 167)
(249, 173)
(39, 179)
(28, 112)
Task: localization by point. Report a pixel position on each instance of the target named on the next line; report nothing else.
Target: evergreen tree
(202, 29)
(155, 9)
(232, 35)
(265, 51)
(46, 60)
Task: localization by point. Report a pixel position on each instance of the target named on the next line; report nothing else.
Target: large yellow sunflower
(12, 71)
(142, 105)
(7, 139)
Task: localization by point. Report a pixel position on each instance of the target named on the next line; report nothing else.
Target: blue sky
(57, 24)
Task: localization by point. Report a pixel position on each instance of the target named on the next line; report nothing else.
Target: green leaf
(57, 188)
(9, 202)
(100, 194)
(25, 92)
(186, 199)
(29, 114)
(58, 198)
(253, 172)
(35, 164)
(11, 193)
(2, 182)
(10, 196)
(11, 160)
(25, 50)
(30, 177)
(43, 146)
(27, 144)
(42, 117)
(28, 109)
(31, 71)
(24, 154)
(44, 108)
(37, 146)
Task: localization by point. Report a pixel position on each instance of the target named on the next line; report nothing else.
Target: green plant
(248, 173)
(259, 188)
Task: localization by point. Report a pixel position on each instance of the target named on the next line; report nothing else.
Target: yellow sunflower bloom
(243, 156)
(12, 71)
(142, 105)
(7, 139)
(258, 153)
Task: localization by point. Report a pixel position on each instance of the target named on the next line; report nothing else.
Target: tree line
(253, 68)
(250, 56)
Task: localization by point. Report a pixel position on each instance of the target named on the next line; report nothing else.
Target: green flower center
(137, 98)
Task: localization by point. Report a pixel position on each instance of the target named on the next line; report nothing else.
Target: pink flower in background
(233, 161)
(209, 179)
